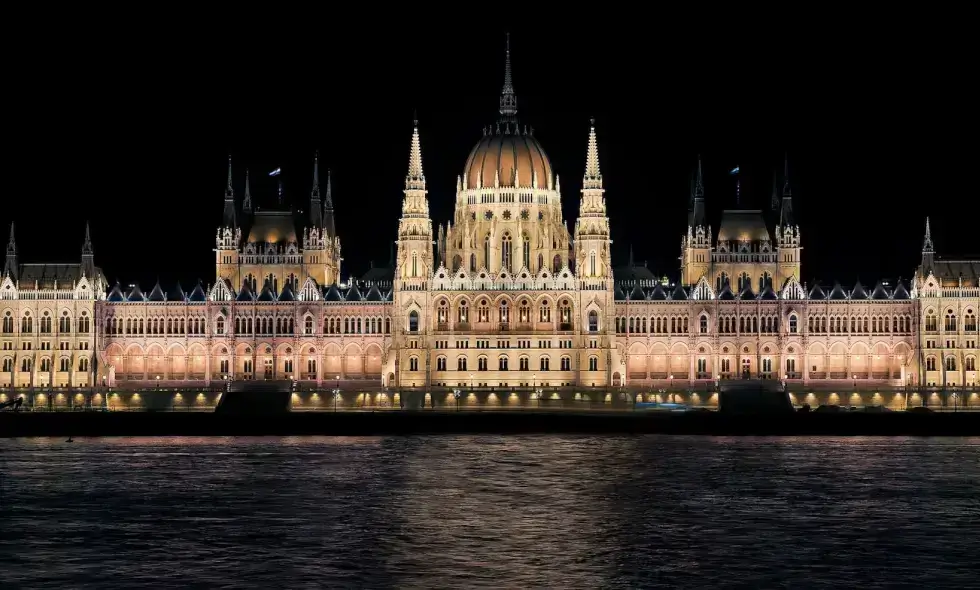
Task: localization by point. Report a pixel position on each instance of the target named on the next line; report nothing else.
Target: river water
(490, 512)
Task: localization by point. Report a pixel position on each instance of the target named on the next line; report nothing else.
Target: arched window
(461, 363)
(565, 314)
(931, 363)
(545, 362)
(457, 262)
(502, 363)
(308, 325)
(413, 363)
(540, 263)
(504, 312)
(950, 363)
(703, 327)
(506, 252)
(556, 264)
(481, 363)
(442, 312)
(792, 324)
(483, 311)
(219, 325)
(526, 245)
(545, 312)
(524, 311)
(463, 312)
(415, 264)
(592, 264)
(593, 363)
(970, 321)
(593, 322)
(486, 253)
(472, 262)
(950, 324)
(932, 323)
(413, 321)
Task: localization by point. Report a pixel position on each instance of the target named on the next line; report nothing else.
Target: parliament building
(507, 303)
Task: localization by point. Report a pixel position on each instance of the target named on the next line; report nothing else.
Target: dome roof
(506, 153)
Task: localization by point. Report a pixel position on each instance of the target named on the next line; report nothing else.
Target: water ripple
(490, 512)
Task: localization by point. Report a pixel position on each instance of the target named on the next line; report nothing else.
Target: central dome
(511, 155)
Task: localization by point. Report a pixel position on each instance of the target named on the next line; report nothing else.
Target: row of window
(969, 363)
(950, 323)
(503, 364)
(766, 324)
(45, 323)
(261, 325)
(27, 365)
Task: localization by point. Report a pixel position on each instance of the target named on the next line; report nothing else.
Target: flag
(276, 172)
(734, 170)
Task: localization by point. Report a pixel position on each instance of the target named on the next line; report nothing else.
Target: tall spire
(786, 210)
(316, 219)
(415, 179)
(10, 265)
(87, 245)
(329, 225)
(247, 202)
(229, 212)
(696, 216)
(508, 100)
(593, 178)
(926, 243)
(88, 254)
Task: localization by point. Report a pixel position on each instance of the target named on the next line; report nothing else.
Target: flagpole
(738, 186)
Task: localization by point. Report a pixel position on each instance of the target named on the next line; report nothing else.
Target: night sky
(141, 151)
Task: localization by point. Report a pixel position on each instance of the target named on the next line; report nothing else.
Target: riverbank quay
(399, 422)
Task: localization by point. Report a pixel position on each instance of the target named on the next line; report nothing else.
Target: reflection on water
(489, 512)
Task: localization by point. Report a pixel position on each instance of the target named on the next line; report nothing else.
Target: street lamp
(456, 394)
(336, 395)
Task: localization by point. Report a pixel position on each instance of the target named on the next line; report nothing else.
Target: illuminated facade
(500, 305)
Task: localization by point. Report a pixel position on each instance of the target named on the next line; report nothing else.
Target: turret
(88, 254)
(592, 227)
(696, 245)
(10, 267)
(928, 252)
(788, 245)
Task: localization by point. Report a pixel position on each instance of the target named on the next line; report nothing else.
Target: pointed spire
(415, 179)
(508, 100)
(10, 267)
(247, 202)
(696, 214)
(786, 210)
(926, 243)
(87, 245)
(316, 214)
(329, 222)
(228, 215)
(593, 177)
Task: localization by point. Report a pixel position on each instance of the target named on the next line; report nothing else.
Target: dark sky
(133, 134)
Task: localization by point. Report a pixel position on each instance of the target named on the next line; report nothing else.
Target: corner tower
(413, 267)
(788, 245)
(229, 234)
(592, 261)
(696, 245)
